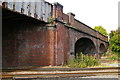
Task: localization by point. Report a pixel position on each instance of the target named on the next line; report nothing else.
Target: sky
(93, 12)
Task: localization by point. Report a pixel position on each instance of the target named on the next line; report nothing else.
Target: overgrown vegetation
(51, 20)
(83, 61)
(114, 56)
(115, 41)
(115, 44)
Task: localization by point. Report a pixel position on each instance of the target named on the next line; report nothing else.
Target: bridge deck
(44, 11)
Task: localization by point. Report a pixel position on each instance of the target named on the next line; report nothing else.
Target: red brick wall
(62, 44)
(62, 36)
(51, 45)
(102, 37)
(65, 18)
(58, 11)
(83, 27)
(27, 45)
(39, 45)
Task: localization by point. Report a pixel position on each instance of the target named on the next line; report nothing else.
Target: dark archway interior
(85, 45)
(102, 48)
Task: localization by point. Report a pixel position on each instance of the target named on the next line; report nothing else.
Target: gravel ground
(69, 78)
(103, 76)
(92, 77)
(98, 77)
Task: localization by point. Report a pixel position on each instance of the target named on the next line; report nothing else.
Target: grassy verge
(83, 61)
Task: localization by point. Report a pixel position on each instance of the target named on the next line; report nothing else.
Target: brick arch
(85, 45)
(88, 37)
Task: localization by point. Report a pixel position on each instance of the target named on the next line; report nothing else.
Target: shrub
(114, 58)
(82, 61)
(51, 20)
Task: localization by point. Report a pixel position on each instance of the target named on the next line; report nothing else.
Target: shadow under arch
(85, 45)
(102, 48)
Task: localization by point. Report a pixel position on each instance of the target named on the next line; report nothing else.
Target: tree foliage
(115, 40)
(101, 30)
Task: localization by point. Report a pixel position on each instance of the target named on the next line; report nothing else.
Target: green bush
(114, 58)
(51, 20)
(83, 61)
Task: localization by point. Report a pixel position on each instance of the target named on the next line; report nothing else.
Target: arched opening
(102, 48)
(85, 45)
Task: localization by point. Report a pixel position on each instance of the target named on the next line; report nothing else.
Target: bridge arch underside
(85, 45)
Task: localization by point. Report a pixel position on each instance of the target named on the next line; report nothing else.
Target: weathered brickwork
(29, 45)
(62, 37)
(66, 18)
(101, 36)
(76, 36)
(83, 27)
(30, 42)
(62, 44)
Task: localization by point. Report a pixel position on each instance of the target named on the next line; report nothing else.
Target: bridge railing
(38, 9)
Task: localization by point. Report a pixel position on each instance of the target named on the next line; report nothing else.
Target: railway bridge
(40, 34)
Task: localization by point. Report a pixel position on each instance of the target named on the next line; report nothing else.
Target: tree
(101, 30)
(112, 33)
(115, 40)
(115, 32)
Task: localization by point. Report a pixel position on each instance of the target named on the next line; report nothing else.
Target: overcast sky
(93, 12)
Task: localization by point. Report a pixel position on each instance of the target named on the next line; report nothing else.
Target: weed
(82, 61)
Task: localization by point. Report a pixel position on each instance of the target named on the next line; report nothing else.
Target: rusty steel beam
(40, 10)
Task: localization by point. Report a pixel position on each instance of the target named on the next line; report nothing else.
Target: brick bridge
(40, 34)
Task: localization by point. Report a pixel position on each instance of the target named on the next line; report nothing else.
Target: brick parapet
(70, 20)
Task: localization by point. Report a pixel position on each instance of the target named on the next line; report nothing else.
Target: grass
(109, 59)
(83, 61)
